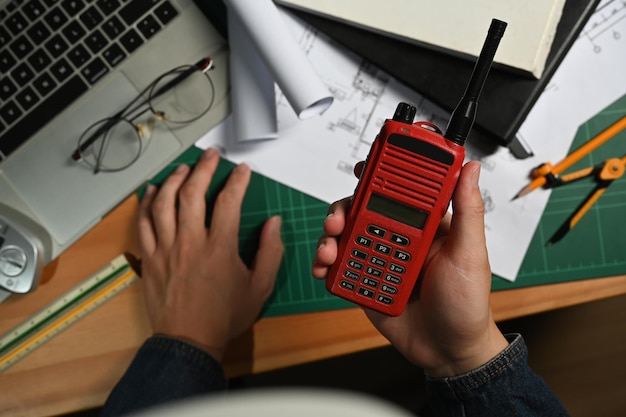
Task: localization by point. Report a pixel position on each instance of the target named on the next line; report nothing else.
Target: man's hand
(447, 327)
(197, 287)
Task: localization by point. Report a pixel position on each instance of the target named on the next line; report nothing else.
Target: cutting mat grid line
(601, 236)
(300, 257)
(614, 197)
(594, 248)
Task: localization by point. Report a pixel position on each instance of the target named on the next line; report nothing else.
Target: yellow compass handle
(590, 145)
(586, 206)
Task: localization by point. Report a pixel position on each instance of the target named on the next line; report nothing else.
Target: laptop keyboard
(53, 51)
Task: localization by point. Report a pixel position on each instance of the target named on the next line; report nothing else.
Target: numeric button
(351, 274)
(389, 289)
(355, 264)
(370, 282)
(366, 292)
(393, 279)
(375, 272)
(378, 261)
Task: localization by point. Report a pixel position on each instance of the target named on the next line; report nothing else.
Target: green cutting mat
(296, 290)
(596, 247)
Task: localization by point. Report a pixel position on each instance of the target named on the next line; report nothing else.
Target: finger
(358, 169)
(467, 228)
(336, 219)
(334, 224)
(268, 258)
(319, 271)
(145, 227)
(192, 195)
(164, 206)
(325, 256)
(227, 209)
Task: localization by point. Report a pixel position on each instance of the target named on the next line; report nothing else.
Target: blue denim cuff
(476, 377)
(503, 386)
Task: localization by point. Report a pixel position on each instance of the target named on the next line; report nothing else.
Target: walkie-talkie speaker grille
(411, 176)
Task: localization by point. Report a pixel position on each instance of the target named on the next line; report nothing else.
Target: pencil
(575, 156)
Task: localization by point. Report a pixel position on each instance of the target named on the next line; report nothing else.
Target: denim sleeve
(505, 386)
(165, 369)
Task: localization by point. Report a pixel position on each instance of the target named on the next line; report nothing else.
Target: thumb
(268, 257)
(467, 230)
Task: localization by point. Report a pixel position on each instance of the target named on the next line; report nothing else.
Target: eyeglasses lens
(186, 101)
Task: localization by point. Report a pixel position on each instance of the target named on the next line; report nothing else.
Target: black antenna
(464, 114)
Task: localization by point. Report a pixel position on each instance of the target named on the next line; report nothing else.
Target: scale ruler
(65, 310)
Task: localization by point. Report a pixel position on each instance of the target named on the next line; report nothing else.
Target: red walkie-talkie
(404, 191)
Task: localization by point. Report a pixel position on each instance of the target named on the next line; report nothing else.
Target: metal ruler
(65, 310)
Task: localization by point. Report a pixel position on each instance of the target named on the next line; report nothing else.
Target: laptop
(97, 55)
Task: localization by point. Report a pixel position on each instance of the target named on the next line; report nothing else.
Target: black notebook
(506, 98)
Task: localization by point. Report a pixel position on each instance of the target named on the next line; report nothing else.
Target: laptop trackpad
(66, 195)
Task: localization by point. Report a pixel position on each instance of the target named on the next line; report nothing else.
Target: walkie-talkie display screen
(397, 211)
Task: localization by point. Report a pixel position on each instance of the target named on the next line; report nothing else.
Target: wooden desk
(77, 369)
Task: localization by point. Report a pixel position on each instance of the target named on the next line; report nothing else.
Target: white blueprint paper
(317, 155)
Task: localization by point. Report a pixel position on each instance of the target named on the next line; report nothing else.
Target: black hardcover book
(506, 97)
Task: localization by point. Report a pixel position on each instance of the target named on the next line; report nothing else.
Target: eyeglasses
(179, 96)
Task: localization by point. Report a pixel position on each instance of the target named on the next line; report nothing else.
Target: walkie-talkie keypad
(375, 269)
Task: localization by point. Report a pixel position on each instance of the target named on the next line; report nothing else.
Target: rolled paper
(252, 93)
(283, 57)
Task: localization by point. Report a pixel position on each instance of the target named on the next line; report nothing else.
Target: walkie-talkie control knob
(405, 113)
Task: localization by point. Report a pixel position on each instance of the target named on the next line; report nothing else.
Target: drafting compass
(605, 173)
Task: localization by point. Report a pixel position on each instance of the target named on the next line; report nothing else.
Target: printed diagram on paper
(316, 156)
(605, 22)
(364, 97)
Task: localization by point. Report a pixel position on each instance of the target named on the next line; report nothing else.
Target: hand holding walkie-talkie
(402, 195)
